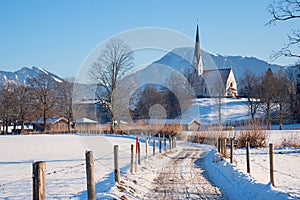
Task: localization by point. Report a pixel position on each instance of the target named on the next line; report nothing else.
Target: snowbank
(236, 184)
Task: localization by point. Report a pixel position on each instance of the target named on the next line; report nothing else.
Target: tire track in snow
(182, 179)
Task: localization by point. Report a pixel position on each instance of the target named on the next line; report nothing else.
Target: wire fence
(63, 173)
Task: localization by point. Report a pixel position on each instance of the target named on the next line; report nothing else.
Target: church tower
(197, 60)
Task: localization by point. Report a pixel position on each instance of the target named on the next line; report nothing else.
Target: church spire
(197, 60)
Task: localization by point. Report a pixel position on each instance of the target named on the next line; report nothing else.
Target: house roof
(194, 120)
(210, 76)
(51, 120)
(85, 120)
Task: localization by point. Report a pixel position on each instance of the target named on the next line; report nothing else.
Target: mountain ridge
(179, 59)
(22, 75)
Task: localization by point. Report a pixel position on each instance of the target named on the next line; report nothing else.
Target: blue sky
(58, 35)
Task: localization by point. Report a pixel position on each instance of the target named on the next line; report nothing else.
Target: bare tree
(17, 105)
(122, 93)
(267, 93)
(281, 95)
(219, 93)
(182, 88)
(113, 62)
(25, 105)
(48, 95)
(249, 89)
(196, 81)
(66, 102)
(284, 10)
(293, 74)
(7, 109)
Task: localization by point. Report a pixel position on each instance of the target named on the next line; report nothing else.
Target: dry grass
(206, 137)
(254, 133)
(290, 143)
(197, 137)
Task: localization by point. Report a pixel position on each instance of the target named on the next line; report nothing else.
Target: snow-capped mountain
(22, 75)
(181, 59)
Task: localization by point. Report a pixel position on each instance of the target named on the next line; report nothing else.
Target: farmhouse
(54, 125)
(86, 125)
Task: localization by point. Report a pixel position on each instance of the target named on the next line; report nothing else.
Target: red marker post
(136, 144)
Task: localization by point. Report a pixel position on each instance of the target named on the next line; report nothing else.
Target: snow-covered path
(183, 179)
(177, 174)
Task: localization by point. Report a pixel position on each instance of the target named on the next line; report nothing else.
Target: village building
(54, 125)
(86, 125)
(170, 125)
(211, 82)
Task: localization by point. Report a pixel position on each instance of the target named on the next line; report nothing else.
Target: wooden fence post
(139, 153)
(224, 146)
(248, 156)
(231, 150)
(219, 145)
(165, 144)
(89, 162)
(175, 141)
(271, 149)
(160, 146)
(153, 147)
(147, 148)
(39, 180)
(132, 158)
(116, 163)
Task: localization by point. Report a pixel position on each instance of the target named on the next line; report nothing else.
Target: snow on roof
(51, 120)
(86, 120)
(211, 76)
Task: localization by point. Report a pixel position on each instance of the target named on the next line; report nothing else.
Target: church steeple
(197, 60)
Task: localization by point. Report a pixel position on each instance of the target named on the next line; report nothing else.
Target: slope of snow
(236, 184)
(287, 174)
(206, 110)
(57, 80)
(43, 70)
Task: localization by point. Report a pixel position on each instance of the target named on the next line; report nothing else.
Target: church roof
(210, 76)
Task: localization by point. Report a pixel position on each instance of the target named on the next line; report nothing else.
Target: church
(211, 82)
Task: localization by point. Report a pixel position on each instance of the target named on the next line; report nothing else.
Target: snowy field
(206, 110)
(65, 163)
(286, 166)
(65, 158)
